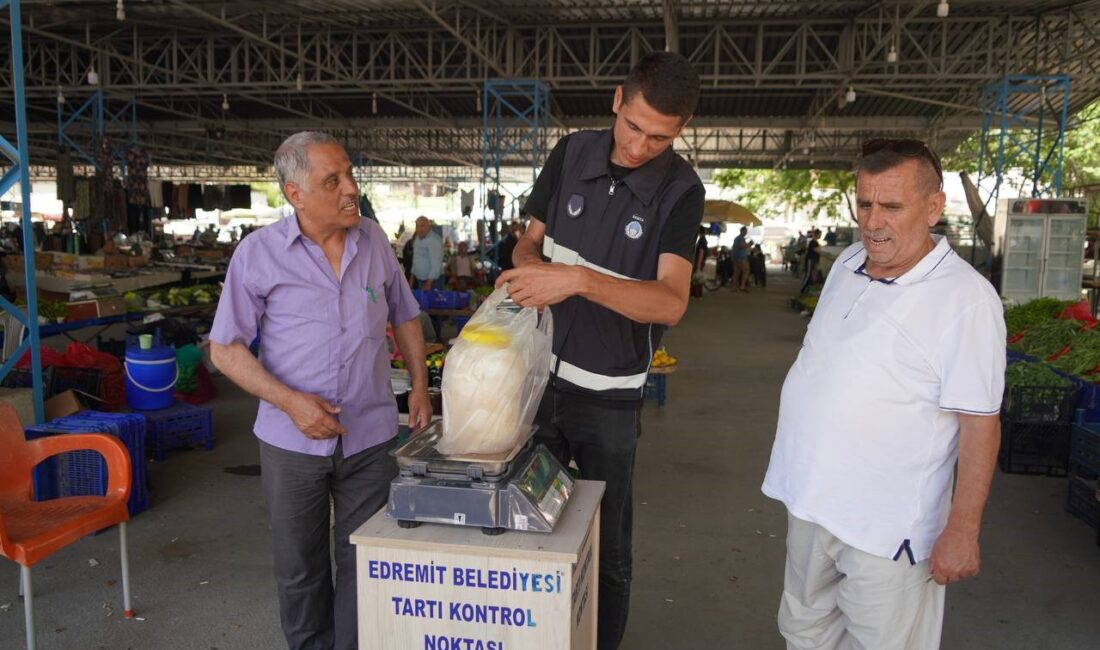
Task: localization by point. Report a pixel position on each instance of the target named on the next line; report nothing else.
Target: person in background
(758, 267)
(830, 236)
(427, 264)
(813, 261)
(321, 284)
(740, 256)
(698, 276)
(724, 265)
(507, 245)
(460, 268)
(901, 375)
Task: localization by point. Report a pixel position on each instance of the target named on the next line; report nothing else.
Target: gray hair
(291, 159)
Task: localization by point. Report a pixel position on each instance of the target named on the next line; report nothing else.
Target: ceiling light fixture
(225, 102)
(374, 103)
(93, 77)
(60, 96)
(892, 55)
(479, 102)
(300, 82)
(120, 11)
(850, 96)
(942, 9)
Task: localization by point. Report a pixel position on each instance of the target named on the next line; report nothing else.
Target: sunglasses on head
(907, 148)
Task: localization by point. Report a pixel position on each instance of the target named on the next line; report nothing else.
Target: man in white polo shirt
(900, 374)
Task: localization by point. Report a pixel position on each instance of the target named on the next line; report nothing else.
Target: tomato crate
(1040, 448)
(179, 426)
(1045, 404)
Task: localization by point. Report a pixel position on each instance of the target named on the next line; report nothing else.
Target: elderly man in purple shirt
(319, 287)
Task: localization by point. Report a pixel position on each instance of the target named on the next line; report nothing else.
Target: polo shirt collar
(857, 262)
(643, 181)
(294, 231)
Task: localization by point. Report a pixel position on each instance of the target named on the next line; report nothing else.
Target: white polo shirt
(868, 426)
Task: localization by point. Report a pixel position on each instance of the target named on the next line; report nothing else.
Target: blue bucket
(151, 378)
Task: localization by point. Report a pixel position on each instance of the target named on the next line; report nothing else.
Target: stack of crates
(1035, 429)
(178, 426)
(84, 473)
(1083, 495)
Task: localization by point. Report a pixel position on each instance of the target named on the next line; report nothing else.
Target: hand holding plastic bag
(494, 378)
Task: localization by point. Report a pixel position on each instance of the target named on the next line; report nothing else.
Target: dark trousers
(316, 615)
(602, 440)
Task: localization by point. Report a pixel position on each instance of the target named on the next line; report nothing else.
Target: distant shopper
(322, 284)
(830, 236)
(740, 256)
(698, 276)
(812, 273)
(507, 245)
(460, 268)
(427, 268)
(900, 375)
(758, 267)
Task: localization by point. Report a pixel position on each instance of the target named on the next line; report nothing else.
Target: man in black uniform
(609, 247)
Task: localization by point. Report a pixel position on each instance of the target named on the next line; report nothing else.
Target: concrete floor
(709, 545)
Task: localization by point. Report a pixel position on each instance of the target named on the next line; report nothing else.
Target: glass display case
(1042, 243)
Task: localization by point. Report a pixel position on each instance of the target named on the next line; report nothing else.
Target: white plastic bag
(494, 378)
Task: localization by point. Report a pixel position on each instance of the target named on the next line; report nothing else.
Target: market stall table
(435, 586)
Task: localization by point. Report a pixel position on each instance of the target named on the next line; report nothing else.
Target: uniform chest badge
(634, 229)
(575, 207)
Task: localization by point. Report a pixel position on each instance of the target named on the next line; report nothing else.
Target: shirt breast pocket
(374, 313)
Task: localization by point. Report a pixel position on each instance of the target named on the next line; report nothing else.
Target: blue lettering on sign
(407, 572)
(442, 642)
(490, 615)
(417, 607)
(548, 583)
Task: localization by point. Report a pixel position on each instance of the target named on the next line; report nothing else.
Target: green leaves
(769, 194)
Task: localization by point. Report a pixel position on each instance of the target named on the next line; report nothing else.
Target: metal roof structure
(399, 80)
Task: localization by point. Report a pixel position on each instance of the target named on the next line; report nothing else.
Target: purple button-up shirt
(319, 334)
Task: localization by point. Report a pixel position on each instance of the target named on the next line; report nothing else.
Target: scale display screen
(546, 484)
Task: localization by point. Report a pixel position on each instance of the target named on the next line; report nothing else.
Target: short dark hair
(667, 82)
(883, 154)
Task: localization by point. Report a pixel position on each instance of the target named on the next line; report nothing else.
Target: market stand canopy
(729, 212)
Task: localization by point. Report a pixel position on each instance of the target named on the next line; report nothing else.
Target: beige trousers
(838, 597)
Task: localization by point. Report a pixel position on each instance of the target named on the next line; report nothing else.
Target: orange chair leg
(28, 604)
(127, 609)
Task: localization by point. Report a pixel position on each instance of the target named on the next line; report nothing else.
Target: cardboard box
(213, 254)
(138, 261)
(81, 310)
(62, 404)
(113, 306)
(113, 262)
(14, 262)
(43, 261)
(89, 262)
(184, 250)
(22, 399)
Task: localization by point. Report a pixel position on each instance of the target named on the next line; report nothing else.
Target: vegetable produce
(1048, 337)
(1032, 313)
(1029, 373)
(1083, 355)
(662, 359)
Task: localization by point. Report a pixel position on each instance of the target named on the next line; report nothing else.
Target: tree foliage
(770, 194)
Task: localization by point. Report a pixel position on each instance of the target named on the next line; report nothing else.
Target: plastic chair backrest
(15, 479)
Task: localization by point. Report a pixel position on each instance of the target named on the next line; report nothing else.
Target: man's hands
(420, 410)
(314, 416)
(955, 556)
(542, 283)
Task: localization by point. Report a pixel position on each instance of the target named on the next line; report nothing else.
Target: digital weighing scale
(524, 489)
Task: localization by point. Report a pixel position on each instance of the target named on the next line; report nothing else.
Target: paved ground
(709, 545)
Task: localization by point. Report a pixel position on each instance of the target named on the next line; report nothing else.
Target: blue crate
(448, 299)
(421, 299)
(1084, 446)
(181, 425)
(85, 472)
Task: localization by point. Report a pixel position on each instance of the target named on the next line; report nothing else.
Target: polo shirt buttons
(343, 329)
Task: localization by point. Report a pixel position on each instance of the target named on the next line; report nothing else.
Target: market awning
(729, 212)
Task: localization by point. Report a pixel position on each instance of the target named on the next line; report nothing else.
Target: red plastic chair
(31, 530)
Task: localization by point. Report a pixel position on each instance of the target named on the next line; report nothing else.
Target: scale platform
(524, 489)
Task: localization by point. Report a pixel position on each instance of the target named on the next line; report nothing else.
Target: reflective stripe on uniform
(563, 255)
(594, 381)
